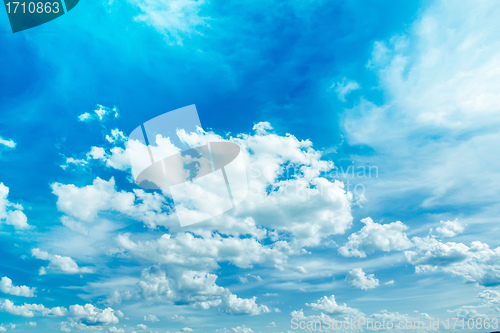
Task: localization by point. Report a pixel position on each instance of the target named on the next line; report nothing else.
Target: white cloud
(345, 87)
(151, 318)
(487, 309)
(376, 237)
(141, 327)
(70, 161)
(450, 228)
(477, 263)
(177, 317)
(59, 264)
(85, 117)
(101, 113)
(116, 135)
(241, 329)
(186, 250)
(330, 306)
(290, 206)
(11, 213)
(86, 203)
(90, 315)
(117, 158)
(7, 287)
(113, 329)
(182, 286)
(285, 173)
(30, 310)
(439, 123)
(357, 278)
(174, 19)
(7, 143)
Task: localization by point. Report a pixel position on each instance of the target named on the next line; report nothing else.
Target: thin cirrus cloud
(437, 122)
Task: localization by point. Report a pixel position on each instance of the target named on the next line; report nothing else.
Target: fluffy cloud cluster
(7, 143)
(331, 310)
(283, 172)
(30, 310)
(486, 309)
(90, 315)
(59, 264)
(290, 205)
(182, 286)
(330, 306)
(376, 237)
(11, 213)
(7, 287)
(175, 19)
(357, 278)
(100, 113)
(84, 204)
(345, 87)
(475, 263)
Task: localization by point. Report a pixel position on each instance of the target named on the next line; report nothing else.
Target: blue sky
(408, 90)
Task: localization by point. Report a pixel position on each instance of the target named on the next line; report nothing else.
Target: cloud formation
(357, 278)
(11, 213)
(7, 287)
(376, 237)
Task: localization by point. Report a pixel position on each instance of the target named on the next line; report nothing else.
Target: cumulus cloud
(186, 250)
(30, 310)
(100, 113)
(291, 204)
(241, 329)
(74, 162)
(115, 135)
(89, 315)
(486, 309)
(59, 264)
(7, 287)
(376, 237)
(331, 311)
(475, 263)
(182, 286)
(11, 213)
(441, 80)
(450, 228)
(86, 203)
(357, 278)
(330, 306)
